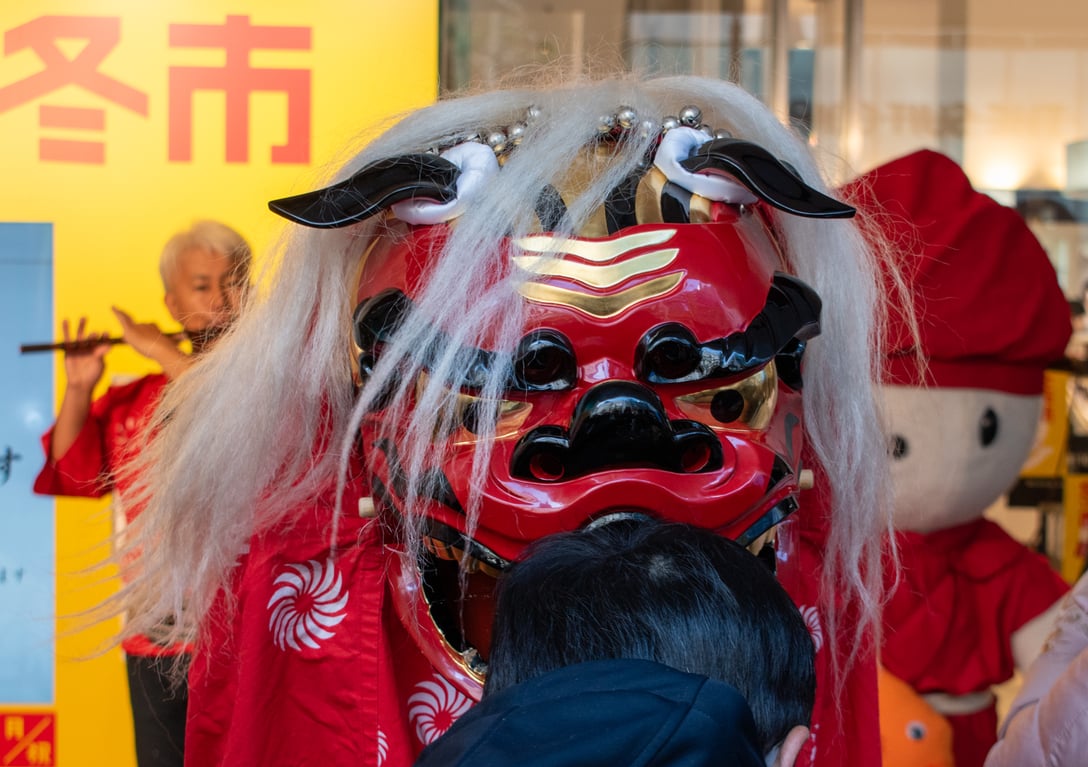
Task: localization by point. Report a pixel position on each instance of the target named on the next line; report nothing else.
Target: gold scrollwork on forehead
(594, 250)
(598, 305)
(602, 276)
(603, 264)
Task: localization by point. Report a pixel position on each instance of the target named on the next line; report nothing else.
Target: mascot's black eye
(987, 427)
(899, 447)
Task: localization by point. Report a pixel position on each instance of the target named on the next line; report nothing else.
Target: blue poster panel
(27, 556)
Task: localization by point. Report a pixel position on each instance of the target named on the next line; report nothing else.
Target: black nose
(616, 424)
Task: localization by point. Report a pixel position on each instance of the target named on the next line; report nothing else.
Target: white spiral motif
(383, 747)
(812, 742)
(309, 601)
(812, 620)
(434, 707)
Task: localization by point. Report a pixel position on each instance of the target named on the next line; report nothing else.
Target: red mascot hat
(991, 313)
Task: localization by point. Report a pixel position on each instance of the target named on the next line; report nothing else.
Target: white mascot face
(955, 451)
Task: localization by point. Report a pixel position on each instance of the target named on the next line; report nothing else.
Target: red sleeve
(87, 468)
(1027, 585)
(84, 469)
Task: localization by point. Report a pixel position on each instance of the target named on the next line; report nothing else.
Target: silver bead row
(625, 119)
(613, 126)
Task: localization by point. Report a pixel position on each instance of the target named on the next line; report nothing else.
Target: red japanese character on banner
(237, 80)
(43, 35)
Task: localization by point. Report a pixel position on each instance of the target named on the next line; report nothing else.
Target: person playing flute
(205, 273)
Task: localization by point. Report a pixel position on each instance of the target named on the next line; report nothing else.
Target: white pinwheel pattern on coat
(308, 602)
(383, 747)
(812, 620)
(435, 706)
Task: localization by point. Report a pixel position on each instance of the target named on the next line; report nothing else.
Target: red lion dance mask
(658, 372)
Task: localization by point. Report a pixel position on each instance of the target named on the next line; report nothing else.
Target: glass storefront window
(1001, 86)
(775, 49)
(491, 43)
(726, 40)
(488, 42)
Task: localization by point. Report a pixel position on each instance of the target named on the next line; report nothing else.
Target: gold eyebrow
(594, 250)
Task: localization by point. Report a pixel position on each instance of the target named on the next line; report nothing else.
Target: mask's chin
(461, 607)
(444, 596)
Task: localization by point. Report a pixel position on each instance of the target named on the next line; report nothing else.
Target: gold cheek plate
(760, 395)
(509, 418)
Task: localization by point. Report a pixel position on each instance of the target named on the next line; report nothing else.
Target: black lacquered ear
(767, 177)
(371, 190)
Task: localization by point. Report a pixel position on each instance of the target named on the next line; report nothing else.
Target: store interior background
(1001, 86)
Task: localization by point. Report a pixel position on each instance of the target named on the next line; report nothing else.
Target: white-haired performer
(205, 274)
(510, 315)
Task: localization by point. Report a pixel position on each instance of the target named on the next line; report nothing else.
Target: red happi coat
(845, 728)
(89, 468)
(314, 668)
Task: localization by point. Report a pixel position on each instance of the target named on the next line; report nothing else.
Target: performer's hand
(148, 340)
(144, 337)
(85, 364)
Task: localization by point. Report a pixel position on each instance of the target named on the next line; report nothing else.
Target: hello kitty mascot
(971, 604)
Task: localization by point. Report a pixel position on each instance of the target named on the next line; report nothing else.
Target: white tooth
(806, 480)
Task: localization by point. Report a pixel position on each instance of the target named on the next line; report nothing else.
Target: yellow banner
(122, 122)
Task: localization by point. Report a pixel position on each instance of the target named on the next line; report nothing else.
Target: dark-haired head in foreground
(640, 643)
